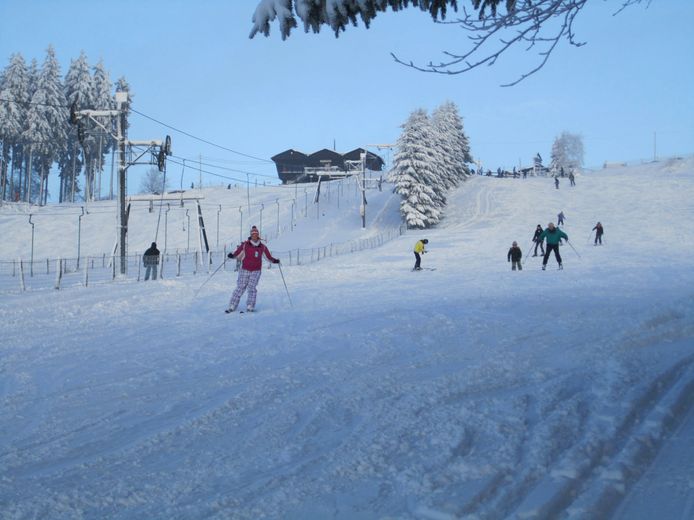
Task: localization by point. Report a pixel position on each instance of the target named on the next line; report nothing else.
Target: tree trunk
(3, 170)
(28, 175)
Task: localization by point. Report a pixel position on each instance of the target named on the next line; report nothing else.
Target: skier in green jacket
(553, 236)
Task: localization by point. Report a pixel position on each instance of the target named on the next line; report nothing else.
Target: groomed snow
(470, 391)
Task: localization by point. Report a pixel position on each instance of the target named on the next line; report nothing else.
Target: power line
(199, 138)
(131, 109)
(196, 161)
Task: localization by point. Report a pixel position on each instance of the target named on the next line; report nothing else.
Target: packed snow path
(466, 392)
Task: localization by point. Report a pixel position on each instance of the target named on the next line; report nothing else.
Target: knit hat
(515, 243)
(255, 230)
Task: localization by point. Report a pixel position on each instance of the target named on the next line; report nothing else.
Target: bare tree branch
(536, 24)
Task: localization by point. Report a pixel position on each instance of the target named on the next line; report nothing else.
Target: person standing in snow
(598, 233)
(536, 239)
(419, 249)
(556, 182)
(572, 178)
(151, 261)
(553, 235)
(514, 256)
(560, 218)
(250, 253)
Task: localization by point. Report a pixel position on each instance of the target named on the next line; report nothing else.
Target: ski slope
(467, 392)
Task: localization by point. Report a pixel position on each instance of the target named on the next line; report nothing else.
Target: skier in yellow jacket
(419, 249)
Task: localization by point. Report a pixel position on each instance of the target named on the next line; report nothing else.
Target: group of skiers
(553, 236)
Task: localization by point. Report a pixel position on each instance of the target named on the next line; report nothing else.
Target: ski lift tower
(163, 149)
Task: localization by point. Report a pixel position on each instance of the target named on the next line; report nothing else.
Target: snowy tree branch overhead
(338, 13)
(533, 24)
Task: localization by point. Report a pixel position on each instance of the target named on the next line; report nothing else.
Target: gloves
(230, 255)
(276, 261)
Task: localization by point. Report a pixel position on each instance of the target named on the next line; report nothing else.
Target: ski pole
(589, 236)
(526, 256)
(209, 277)
(285, 285)
(572, 247)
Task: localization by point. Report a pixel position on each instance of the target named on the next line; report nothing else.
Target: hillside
(470, 391)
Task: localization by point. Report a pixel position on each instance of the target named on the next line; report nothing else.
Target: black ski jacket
(514, 254)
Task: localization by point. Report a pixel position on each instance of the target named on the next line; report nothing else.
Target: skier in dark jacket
(536, 239)
(514, 256)
(556, 182)
(151, 261)
(251, 255)
(553, 236)
(598, 233)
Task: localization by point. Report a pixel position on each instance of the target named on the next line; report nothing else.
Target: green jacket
(553, 236)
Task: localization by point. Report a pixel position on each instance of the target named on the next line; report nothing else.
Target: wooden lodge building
(295, 167)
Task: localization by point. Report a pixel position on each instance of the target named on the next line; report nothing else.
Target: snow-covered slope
(470, 391)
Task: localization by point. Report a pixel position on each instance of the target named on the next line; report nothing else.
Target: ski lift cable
(198, 138)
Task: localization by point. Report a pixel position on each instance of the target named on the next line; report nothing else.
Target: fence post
(58, 272)
(48, 271)
(178, 264)
(86, 273)
(21, 276)
(139, 270)
(113, 267)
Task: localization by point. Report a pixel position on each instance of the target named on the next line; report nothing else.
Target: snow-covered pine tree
(454, 141)
(414, 173)
(14, 93)
(47, 121)
(79, 90)
(443, 134)
(567, 152)
(122, 85)
(103, 101)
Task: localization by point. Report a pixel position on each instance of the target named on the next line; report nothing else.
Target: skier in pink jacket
(250, 253)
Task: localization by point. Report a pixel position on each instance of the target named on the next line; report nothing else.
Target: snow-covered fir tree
(567, 152)
(453, 143)
(80, 148)
(15, 96)
(103, 101)
(122, 85)
(46, 121)
(415, 173)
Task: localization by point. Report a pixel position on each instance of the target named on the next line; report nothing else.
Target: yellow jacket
(419, 247)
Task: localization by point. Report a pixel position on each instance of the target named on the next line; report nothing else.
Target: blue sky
(191, 65)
